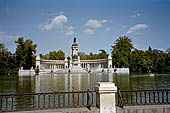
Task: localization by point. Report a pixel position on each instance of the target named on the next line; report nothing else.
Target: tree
(167, 59)
(7, 61)
(53, 55)
(168, 50)
(121, 52)
(103, 54)
(60, 55)
(46, 56)
(158, 60)
(167, 63)
(82, 55)
(137, 62)
(4, 60)
(25, 53)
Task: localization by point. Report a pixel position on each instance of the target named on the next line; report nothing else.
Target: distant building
(75, 64)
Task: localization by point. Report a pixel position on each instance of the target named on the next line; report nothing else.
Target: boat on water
(151, 74)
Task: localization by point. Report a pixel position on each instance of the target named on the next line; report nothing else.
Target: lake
(75, 82)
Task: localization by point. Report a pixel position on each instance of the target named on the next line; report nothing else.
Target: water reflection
(25, 85)
(122, 81)
(61, 82)
(75, 82)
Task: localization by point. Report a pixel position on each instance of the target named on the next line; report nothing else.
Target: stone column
(65, 63)
(79, 61)
(71, 61)
(109, 62)
(38, 62)
(105, 97)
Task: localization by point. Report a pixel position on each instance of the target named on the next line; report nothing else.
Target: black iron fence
(17, 102)
(143, 97)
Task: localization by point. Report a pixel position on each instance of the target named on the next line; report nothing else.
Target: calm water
(74, 82)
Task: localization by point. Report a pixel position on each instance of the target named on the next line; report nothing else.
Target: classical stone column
(55, 66)
(79, 61)
(109, 62)
(38, 62)
(105, 97)
(65, 63)
(71, 61)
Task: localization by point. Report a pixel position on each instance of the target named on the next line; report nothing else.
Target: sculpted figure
(74, 40)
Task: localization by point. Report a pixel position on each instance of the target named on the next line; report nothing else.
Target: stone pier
(105, 97)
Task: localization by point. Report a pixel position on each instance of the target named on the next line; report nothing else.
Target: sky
(52, 24)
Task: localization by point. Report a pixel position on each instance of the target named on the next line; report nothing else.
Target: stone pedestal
(105, 97)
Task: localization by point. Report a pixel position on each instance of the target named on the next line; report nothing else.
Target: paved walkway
(68, 110)
(145, 109)
(126, 109)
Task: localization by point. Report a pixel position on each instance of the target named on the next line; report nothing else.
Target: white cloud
(123, 26)
(55, 22)
(136, 15)
(104, 21)
(107, 29)
(8, 40)
(6, 37)
(69, 33)
(89, 31)
(70, 28)
(95, 23)
(137, 27)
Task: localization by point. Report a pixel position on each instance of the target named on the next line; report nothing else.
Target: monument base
(77, 69)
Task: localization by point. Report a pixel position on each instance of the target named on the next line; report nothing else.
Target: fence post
(105, 97)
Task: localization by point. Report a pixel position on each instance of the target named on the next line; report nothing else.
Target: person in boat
(150, 73)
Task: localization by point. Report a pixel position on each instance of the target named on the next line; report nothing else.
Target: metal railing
(18, 102)
(143, 97)
(56, 100)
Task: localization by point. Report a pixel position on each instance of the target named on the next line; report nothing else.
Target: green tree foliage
(4, 60)
(153, 60)
(137, 61)
(7, 61)
(167, 60)
(158, 60)
(25, 53)
(46, 56)
(53, 55)
(82, 55)
(150, 60)
(102, 55)
(60, 55)
(121, 52)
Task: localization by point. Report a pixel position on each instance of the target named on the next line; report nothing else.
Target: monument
(75, 66)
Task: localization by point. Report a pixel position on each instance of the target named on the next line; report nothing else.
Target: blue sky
(52, 24)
